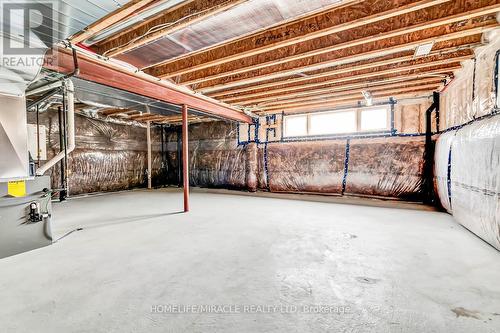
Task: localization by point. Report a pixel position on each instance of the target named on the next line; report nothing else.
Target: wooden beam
(336, 101)
(422, 67)
(326, 23)
(110, 112)
(178, 118)
(174, 19)
(367, 87)
(145, 116)
(102, 72)
(400, 58)
(110, 19)
(309, 61)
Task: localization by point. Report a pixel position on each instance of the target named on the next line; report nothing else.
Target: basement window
(332, 123)
(374, 119)
(296, 125)
(363, 120)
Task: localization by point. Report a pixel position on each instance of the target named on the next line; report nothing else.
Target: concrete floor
(372, 269)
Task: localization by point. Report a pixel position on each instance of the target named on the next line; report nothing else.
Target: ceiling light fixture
(368, 97)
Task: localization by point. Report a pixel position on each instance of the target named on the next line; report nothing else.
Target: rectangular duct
(14, 162)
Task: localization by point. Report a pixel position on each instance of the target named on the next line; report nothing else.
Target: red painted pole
(185, 157)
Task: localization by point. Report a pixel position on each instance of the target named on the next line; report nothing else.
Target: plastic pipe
(68, 85)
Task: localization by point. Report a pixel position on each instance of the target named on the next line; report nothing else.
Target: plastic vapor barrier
(108, 156)
(388, 167)
(243, 19)
(472, 93)
(474, 177)
(306, 166)
(442, 160)
(214, 158)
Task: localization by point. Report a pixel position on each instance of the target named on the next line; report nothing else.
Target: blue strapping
(238, 134)
(256, 124)
(393, 127)
(448, 176)
(249, 132)
(385, 134)
(266, 170)
(346, 164)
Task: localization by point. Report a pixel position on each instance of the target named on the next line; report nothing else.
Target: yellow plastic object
(17, 188)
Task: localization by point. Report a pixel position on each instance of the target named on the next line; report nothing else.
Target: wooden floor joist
(444, 69)
(435, 81)
(308, 106)
(230, 89)
(403, 43)
(371, 74)
(110, 112)
(342, 19)
(343, 45)
(319, 60)
(349, 103)
(444, 54)
(173, 19)
(363, 85)
(401, 87)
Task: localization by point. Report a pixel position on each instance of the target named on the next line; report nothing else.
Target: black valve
(34, 215)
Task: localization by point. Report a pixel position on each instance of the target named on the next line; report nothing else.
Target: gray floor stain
(462, 312)
(366, 280)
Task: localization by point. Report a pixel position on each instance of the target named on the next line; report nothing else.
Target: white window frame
(295, 116)
(358, 131)
(388, 119)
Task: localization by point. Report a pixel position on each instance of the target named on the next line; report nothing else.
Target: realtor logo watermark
(249, 309)
(27, 29)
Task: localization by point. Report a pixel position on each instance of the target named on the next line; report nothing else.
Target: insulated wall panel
(383, 167)
(389, 167)
(306, 166)
(475, 179)
(215, 160)
(107, 157)
(442, 159)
